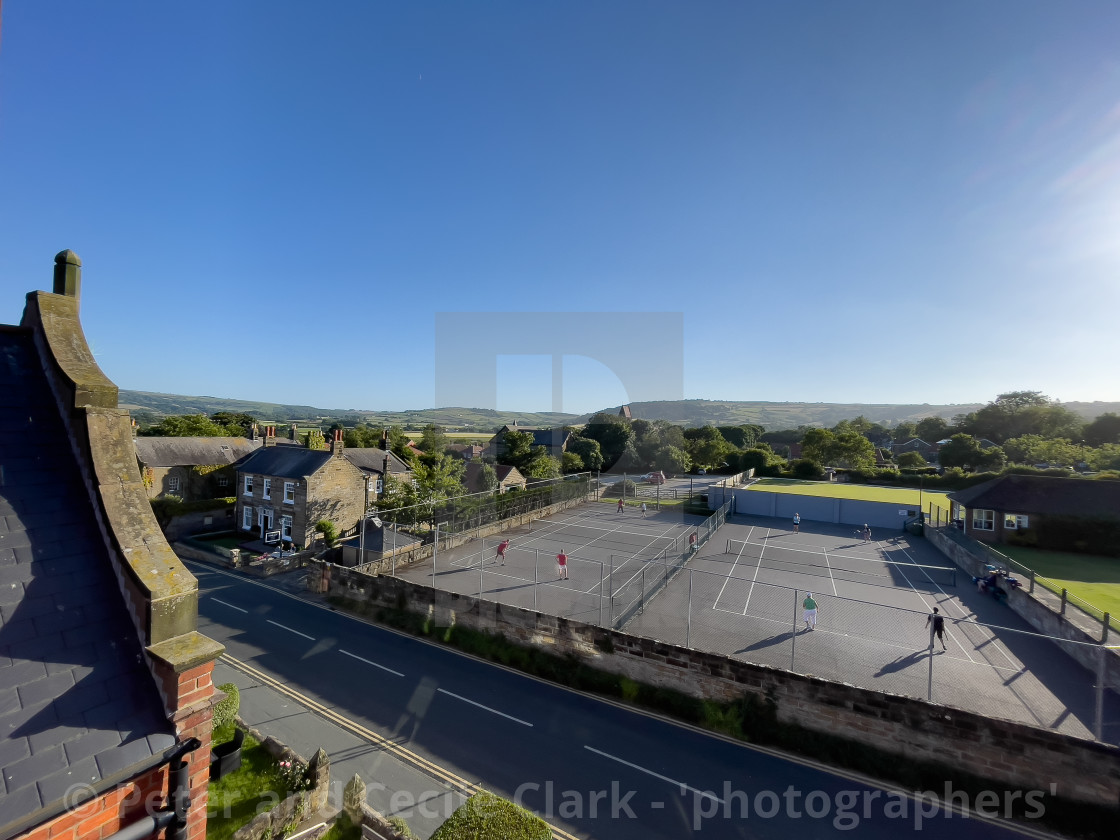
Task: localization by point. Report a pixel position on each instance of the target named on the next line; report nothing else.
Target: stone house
(191, 467)
(375, 464)
(105, 682)
(291, 488)
(1012, 505)
(509, 478)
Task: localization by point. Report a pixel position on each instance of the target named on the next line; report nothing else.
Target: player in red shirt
(501, 555)
(562, 565)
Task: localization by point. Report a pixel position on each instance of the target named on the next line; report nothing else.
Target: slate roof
(1042, 495)
(285, 461)
(372, 459)
(192, 451)
(77, 702)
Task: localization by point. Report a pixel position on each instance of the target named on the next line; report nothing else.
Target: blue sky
(845, 202)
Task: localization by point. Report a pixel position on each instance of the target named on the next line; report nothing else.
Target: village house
(284, 491)
(191, 468)
(509, 478)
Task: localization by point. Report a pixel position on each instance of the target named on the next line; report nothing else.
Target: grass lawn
(1093, 579)
(235, 799)
(224, 542)
(859, 492)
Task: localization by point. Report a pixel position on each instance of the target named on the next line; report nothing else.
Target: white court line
(225, 604)
(368, 662)
(830, 577)
(487, 708)
(757, 568)
(681, 785)
(733, 565)
(290, 630)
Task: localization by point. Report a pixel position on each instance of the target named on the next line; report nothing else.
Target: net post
(793, 637)
(688, 625)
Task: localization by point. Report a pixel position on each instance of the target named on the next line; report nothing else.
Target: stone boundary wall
(1010, 754)
(279, 821)
(410, 556)
(1032, 609)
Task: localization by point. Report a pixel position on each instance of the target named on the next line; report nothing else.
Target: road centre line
(290, 630)
(231, 606)
(487, 708)
(368, 662)
(681, 785)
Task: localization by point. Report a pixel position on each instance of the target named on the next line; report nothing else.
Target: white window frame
(1016, 522)
(380, 486)
(173, 483)
(223, 481)
(248, 489)
(247, 518)
(266, 489)
(983, 520)
(286, 528)
(289, 492)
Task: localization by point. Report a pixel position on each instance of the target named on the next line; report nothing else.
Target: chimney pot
(67, 274)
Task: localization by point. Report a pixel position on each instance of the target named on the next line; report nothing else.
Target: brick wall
(1008, 753)
(109, 813)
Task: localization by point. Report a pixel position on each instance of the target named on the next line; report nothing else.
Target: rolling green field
(859, 492)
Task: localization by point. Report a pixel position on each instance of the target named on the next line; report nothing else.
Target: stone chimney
(385, 439)
(135, 428)
(270, 436)
(67, 274)
(336, 443)
(385, 466)
(293, 432)
(254, 431)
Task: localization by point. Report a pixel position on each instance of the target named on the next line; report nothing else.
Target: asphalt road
(593, 768)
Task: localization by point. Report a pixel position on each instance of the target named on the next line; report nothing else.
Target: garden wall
(1008, 753)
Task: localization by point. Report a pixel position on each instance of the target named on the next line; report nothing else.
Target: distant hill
(770, 415)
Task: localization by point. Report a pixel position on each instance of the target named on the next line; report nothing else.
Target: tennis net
(580, 536)
(843, 567)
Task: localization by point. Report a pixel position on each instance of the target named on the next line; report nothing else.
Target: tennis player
(562, 565)
(501, 555)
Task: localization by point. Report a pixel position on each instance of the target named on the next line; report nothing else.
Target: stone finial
(67, 274)
(353, 798)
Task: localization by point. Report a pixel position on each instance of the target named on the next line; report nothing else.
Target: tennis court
(607, 552)
(742, 596)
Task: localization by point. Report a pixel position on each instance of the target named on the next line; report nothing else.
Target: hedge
(485, 816)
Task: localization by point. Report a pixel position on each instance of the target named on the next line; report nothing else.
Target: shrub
(328, 530)
(226, 710)
(485, 815)
(807, 468)
(402, 828)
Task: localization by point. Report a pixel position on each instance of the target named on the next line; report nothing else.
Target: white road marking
(290, 630)
(680, 785)
(487, 708)
(225, 604)
(368, 662)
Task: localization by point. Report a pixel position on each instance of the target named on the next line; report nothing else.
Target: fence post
(1098, 711)
(481, 572)
(601, 568)
(536, 578)
(688, 625)
(1104, 628)
(610, 592)
(1065, 594)
(1031, 590)
(642, 593)
(793, 639)
(929, 683)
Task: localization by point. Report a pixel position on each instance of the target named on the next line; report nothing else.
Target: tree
(517, 450)
(807, 469)
(613, 434)
(1105, 429)
(670, 460)
(1105, 457)
(433, 440)
(362, 436)
(911, 460)
(931, 429)
(487, 478)
(904, 431)
(436, 480)
(186, 425)
(847, 449)
(707, 447)
(313, 439)
(570, 462)
(235, 424)
(542, 465)
(588, 451)
(741, 437)
(1021, 413)
(965, 452)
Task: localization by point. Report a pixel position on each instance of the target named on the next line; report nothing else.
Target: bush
(402, 828)
(619, 486)
(807, 468)
(226, 710)
(328, 530)
(485, 815)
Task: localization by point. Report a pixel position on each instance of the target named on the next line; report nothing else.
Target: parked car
(701, 471)
(655, 478)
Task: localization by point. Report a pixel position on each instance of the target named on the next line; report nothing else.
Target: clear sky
(845, 201)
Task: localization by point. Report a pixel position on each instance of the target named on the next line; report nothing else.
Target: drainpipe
(175, 819)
